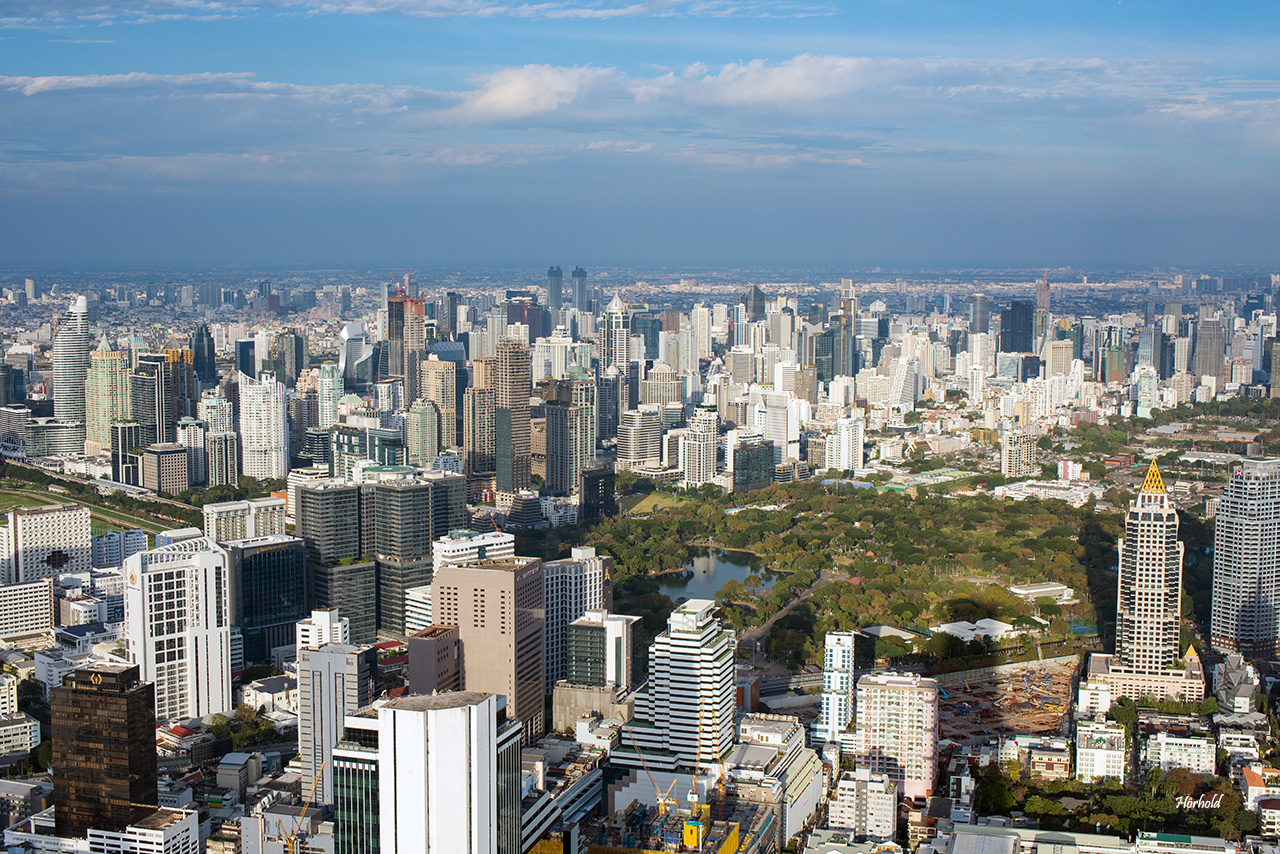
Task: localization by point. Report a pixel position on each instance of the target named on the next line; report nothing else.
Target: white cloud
(514, 93)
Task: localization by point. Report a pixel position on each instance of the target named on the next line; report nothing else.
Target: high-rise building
(192, 436)
(104, 752)
(478, 446)
(581, 296)
(177, 615)
(512, 448)
(640, 438)
(979, 313)
(126, 438)
(107, 397)
(839, 687)
(222, 450)
(896, 730)
(71, 347)
(240, 520)
(1148, 658)
(698, 447)
(269, 591)
(615, 338)
(263, 428)
(865, 804)
(580, 583)
(569, 431)
(334, 680)
(1017, 327)
(684, 715)
(164, 468)
(204, 358)
(1042, 294)
(45, 542)
(324, 626)
(246, 357)
(437, 774)
(598, 649)
(1211, 343)
(1017, 454)
(1246, 561)
(499, 609)
(440, 386)
(329, 392)
(555, 288)
(162, 389)
(845, 445)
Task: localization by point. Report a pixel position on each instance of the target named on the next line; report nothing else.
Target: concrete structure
(463, 546)
(1148, 608)
(107, 397)
(177, 612)
(321, 628)
(428, 774)
(26, 609)
(684, 713)
(1101, 751)
(698, 447)
(435, 660)
(165, 468)
(1246, 561)
(44, 542)
(263, 428)
(838, 687)
(162, 831)
(580, 583)
(71, 348)
(1018, 455)
(242, 520)
(334, 681)
(864, 804)
(498, 607)
(1165, 751)
(896, 730)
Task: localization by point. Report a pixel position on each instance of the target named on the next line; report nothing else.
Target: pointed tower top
(104, 346)
(616, 305)
(1153, 484)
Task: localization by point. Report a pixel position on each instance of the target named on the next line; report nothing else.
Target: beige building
(499, 609)
(435, 660)
(164, 468)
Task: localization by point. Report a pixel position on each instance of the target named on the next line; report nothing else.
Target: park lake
(708, 571)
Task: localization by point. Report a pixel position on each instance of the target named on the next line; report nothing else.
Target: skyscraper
(334, 680)
(839, 684)
(478, 452)
(269, 591)
(1246, 561)
(511, 416)
(205, 360)
(71, 347)
(615, 337)
(177, 615)
(580, 583)
(684, 716)
(329, 392)
(263, 428)
(499, 609)
(979, 314)
(1148, 659)
(698, 447)
(555, 288)
(433, 774)
(107, 398)
(1017, 327)
(1211, 343)
(568, 433)
(246, 357)
(581, 296)
(104, 752)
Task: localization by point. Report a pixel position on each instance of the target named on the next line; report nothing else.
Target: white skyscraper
(684, 715)
(838, 687)
(329, 392)
(578, 584)
(845, 445)
(177, 611)
(264, 433)
(71, 348)
(896, 730)
(216, 413)
(430, 774)
(45, 542)
(698, 447)
(334, 680)
(1246, 561)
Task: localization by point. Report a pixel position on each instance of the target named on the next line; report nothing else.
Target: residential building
(71, 348)
(513, 386)
(107, 398)
(177, 612)
(263, 428)
(1102, 751)
(243, 520)
(1245, 616)
(1165, 750)
(322, 628)
(698, 447)
(1018, 455)
(896, 730)
(44, 542)
(839, 687)
(845, 445)
(865, 804)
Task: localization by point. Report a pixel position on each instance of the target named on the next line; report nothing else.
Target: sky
(905, 132)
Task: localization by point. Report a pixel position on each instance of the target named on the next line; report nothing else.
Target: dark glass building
(104, 749)
(269, 591)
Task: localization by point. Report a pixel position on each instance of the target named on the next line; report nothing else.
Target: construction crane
(291, 839)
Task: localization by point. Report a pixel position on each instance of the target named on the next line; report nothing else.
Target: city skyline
(767, 131)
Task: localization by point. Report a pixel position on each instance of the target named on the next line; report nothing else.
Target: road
(749, 636)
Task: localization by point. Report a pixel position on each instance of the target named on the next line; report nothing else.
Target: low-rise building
(864, 804)
(1101, 751)
(1165, 750)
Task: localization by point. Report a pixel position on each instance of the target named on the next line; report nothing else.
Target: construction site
(1033, 699)
(747, 828)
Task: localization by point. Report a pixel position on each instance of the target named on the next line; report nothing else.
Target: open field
(108, 517)
(10, 500)
(640, 505)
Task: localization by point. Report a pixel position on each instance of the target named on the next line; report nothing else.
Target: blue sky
(638, 131)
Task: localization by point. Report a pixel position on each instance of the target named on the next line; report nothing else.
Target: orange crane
(291, 838)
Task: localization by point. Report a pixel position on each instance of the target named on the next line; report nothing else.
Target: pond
(710, 569)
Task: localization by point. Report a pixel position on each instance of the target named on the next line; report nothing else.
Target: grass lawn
(9, 501)
(641, 504)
